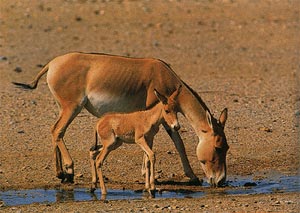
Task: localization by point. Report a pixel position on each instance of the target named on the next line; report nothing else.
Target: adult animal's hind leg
(61, 154)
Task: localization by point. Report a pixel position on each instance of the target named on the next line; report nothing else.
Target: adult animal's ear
(161, 97)
(208, 117)
(223, 117)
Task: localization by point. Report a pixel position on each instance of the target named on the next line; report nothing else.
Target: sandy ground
(243, 55)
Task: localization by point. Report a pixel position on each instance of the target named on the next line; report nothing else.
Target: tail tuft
(25, 86)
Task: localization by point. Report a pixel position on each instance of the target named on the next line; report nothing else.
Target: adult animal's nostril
(221, 182)
(212, 182)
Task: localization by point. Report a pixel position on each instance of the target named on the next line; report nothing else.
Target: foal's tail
(35, 81)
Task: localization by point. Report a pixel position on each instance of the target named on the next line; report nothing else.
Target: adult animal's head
(212, 149)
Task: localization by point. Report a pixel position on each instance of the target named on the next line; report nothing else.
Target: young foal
(137, 127)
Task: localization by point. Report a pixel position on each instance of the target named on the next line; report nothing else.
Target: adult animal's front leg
(182, 153)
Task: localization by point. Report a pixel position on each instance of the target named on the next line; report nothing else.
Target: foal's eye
(203, 161)
(167, 111)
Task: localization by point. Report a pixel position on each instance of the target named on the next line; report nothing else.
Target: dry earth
(243, 55)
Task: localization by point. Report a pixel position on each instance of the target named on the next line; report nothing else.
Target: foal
(138, 127)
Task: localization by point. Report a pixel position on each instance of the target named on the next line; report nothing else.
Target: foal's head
(169, 111)
(212, 149)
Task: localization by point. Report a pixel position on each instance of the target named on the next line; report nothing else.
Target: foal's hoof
(92, 190)
(152, 193)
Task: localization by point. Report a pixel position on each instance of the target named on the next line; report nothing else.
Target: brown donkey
(106, 83)
(137, 127)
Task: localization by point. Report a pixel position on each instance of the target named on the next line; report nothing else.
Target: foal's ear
(176, 93)
(223, 117)
(161, 97)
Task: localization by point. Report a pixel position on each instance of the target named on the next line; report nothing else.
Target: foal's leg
(109, 145)
(151, 156)
(146, 162)
(99, 162)
(94, 152)
(67, 114)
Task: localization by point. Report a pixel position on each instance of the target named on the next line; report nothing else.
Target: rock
(3, 58)
(47, 167)
(78, 18)
(156, 206)
(80, 175)
(18, 69)
(266, 129)
(248, 184)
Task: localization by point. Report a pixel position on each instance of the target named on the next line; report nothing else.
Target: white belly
(101, 103)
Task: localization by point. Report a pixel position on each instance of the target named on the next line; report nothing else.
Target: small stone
(47, 167)
(250, 184)
(3, 58)
(18, 69)
(80, 175)
(156, 206)
(266, 129)
(78, 18)
(277, 202)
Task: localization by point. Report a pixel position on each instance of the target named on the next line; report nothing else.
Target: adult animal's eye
(167, 111)
(218, 150)
(203, 161)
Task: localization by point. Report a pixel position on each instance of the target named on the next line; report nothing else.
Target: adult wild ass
(139, 127)
(106, 83)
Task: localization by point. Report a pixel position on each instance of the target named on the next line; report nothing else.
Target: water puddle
(235, 186)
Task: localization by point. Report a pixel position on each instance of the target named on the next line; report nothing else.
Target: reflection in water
(240, 186)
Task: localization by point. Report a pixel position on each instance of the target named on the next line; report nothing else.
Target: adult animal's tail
(34, 83)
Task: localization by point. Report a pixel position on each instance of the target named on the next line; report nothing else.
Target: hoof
(152, 193)
(61, 176)
(195, 182)
(66, 178)
(70, 178)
